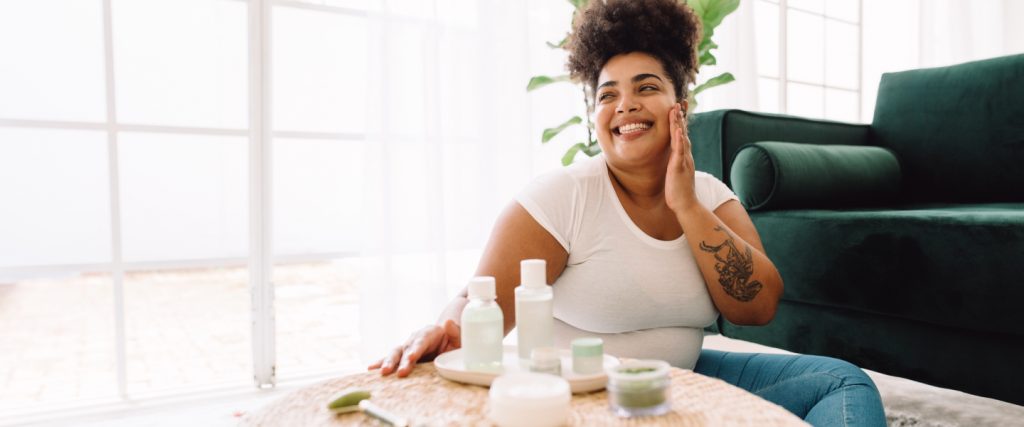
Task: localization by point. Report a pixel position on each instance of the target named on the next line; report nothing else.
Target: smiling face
(632, 103)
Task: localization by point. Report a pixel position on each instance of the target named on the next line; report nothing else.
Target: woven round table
(424, 398)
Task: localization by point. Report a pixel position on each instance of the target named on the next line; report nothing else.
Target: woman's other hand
(422, 345)
(679, 190)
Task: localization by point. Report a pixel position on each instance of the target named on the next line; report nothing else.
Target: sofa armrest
(717, 135)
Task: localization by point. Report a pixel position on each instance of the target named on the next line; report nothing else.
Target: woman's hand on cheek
(679, 190)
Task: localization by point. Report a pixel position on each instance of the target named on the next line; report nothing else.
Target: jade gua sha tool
(353, 400)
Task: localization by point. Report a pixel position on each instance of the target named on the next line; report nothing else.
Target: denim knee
(846, 372)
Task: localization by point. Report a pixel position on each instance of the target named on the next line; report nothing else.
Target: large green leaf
(718, 80)
(571, 153)
(552, 132)
(706, 58)
(712, 12)
(593, 149)
(538, 82)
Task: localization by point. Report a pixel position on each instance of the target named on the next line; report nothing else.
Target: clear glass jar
(639, 388)
(546, 360)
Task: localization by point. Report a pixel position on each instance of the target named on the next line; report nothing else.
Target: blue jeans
(821, 390)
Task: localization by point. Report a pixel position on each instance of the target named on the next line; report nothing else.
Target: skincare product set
(483, 328)
(636, 388)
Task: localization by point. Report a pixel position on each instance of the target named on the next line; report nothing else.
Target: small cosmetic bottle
(546, 360)
(587, 356)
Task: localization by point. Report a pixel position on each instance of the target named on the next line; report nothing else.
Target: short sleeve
(711, 192)
(551, 200)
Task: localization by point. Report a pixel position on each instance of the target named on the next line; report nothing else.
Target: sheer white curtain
(908, 34)
(450, 140)
(737, 54)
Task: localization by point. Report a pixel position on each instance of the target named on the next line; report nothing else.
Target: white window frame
(783, 79)
(261, 259)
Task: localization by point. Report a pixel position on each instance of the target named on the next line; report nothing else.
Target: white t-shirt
(645, 297)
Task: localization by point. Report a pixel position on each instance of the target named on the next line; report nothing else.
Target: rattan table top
(424, 398)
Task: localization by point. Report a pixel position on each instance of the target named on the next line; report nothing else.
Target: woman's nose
(627, 104)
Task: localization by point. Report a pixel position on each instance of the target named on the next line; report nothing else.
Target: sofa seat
(946, 265)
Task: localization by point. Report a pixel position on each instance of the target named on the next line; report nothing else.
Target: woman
(642, 250)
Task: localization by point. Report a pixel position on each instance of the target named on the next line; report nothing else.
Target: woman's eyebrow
(636, 79)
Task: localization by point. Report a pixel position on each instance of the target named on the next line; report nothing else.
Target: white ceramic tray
(452, 367)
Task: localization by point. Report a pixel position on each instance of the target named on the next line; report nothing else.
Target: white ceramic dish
(451, 366)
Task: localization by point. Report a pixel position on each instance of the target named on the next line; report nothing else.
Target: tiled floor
(184, 329)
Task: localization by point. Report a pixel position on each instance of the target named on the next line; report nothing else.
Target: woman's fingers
(389, 362)
(676, 126)
(413, 352)
(454, 333)
(375, 365)
(427, 342)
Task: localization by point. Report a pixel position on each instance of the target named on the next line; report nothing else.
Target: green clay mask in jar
(639, 388)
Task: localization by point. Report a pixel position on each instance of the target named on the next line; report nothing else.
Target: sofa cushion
(718, 135)
(950, 265)
(777, 175)
(959, 130)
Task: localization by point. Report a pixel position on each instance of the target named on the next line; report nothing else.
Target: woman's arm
(744, 284)
(516, 236)
(742, 281)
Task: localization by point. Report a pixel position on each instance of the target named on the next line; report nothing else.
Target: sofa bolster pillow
(779, 175)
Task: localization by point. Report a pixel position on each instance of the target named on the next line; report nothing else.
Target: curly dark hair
(665, 29)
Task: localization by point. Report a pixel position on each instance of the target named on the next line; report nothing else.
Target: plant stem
(586, 100)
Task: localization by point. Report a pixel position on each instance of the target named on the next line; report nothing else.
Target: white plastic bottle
(483, 327)
(534, 319)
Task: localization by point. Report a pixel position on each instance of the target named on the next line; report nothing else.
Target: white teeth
(633, 127)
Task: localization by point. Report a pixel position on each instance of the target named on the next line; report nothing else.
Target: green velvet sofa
(921, 276)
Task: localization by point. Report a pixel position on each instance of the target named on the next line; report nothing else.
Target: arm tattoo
(734, 270)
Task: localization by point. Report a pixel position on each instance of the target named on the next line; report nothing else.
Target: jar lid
(530, 390)
(584, 347)
(639, 370)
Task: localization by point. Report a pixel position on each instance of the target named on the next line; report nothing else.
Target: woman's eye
(645, 87)
(604, 96)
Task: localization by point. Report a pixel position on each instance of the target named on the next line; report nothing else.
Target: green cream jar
(639, 388)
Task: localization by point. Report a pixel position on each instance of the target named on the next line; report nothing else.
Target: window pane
(318, 196)
(841, 105)
(461, 87)
(816, 6)
(804, 100)
(183, 196)
(847, 10)
(768, 95)
(51, 60)
(411, 204)
(181, 62)
(841, 55)
(767, 27)
(805, 41)
(187, 328)
(58, 341)
(55, 190)
(319, 71)
(317, 316)
(406, 76)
